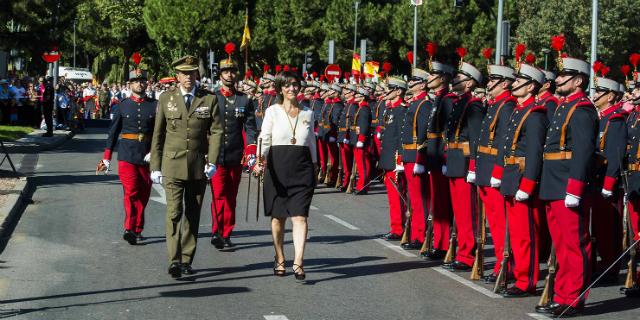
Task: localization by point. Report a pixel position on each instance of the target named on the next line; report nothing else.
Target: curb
(14, 205)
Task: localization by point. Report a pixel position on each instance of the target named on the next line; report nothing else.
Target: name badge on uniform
(239, 112)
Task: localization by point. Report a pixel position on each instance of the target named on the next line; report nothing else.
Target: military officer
(461, 135)
(518, 169)
(330, 118)
(361, 141)
(186, 143)
(238, 114)
(492, 133)
(323, 147)
(546, 95)
(568, 157)
(132, 125)
(268, 97)
(440, 75)
(413, 137)
(345, 135)
(377, 120)
(390, 146)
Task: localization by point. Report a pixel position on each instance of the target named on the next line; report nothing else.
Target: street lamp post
(355, 28)
(594, 43)
(546, 52)
(499, 52)
(74, 42)
(415, 34)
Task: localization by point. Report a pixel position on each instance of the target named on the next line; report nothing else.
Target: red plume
(461, 52)
(294, 69)
(604, 71)
(266, 68)
(314, 74)
(248, 74)
(322, 78)
(286, 68)
(386, 67)
(625, 69)
(634, 59)
(597, 66)
(487, 53)
(557, 42)
(347, 75)
(278, 68)
(304, 75)
(136, 57)
(410, 56)
(431, 49)
(520, 49)
(229, 48)
(530, 58)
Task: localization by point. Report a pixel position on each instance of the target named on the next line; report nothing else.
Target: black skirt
(289, 181)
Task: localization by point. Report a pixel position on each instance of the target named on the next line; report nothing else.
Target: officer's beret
(470, 71)
(419, 74)
(186, 63)
(502, 72)
(531, 73)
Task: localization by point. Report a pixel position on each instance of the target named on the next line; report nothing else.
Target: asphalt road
(66, 260)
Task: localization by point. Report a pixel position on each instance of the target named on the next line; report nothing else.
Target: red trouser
(323, 154)
(606, 225)
(224, 190)
(569, 228)
(418, 187)
(396, 206)
(136, 183)
(524, 223)
(332, 152)
(494, 208)
(441, 211)
(463, 203)
(634, 219)
(363, 164)
(346, 152)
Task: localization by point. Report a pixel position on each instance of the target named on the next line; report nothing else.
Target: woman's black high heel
(277, 272)
(299, 273)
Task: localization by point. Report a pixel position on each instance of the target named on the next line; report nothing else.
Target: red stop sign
(332, 72)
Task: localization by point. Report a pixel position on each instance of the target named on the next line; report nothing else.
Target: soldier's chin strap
(438, 76)
(566, 81)
(600, 97)
(522, 85)
(495, 85)
(455, 83)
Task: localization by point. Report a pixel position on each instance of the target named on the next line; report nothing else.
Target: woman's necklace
(293, 127)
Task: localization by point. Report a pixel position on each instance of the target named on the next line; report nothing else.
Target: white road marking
(468, 283)
(395, 248)
(276, 317)
(313, 207)
(160, 190)
(538, 316)
(342, 222)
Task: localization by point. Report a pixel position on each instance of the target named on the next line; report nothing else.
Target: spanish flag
(246, 35)
(356, 65)
(371, 68)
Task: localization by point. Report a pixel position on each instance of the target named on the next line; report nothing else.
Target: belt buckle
(140, 137)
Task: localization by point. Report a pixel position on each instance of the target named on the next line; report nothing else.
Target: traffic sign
(332, 72)
(51, 56)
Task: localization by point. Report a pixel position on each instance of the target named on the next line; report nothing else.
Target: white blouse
(277, 130)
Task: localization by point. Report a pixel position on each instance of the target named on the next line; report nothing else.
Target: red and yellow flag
(356, 66)
(246, 35)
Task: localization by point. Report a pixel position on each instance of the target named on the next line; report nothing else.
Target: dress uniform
(330, 117)
(413, 137)
(188, 128)
(390, 146)
(492, 134)
(377, 120)
(132, 126)
(268, 98)
(518, 167)
(461, 135)
(439, 106)
(361, 141)
(633, 178)
(546, 96)
(606, 197)
(237, 114)
(568, 159)
(345, 135)
(321, 132)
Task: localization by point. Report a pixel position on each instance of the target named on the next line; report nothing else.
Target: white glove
(106, 163)
(522, 196)
(606, 193)
(399, 168)
(378, 135)
(252, 160)
(444, 170)
(471, 177)
(209, 170)
(316, 134)
(345, 141)
(332, 139)
(156, 177)
(359, 144)
(495, 183)
(418, 169)
(147, 157)
(571, 201)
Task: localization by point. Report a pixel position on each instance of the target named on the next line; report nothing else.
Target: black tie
(188, 101)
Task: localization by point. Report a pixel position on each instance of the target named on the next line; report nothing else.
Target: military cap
(470, 71)
(549, 75)
(623, 88)
(303, 84)
(574, 66)
(501, 72)
(419, 74)
(136, 74)
(440, 68)
(396, 82)
(532, 73)
(269, 77)
(363, 91)
(351, 87)
(228, 63)
(186, 63)
(324, 87)
(249, 83)
(606, 84)
(336, 87)
(370, 85)
(315, 84)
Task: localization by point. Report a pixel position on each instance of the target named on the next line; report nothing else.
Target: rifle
(547, 292)
(327, 176)
(501, 281)
(477, 271)
(352, 178)
(631, 265)
(427, 246)
(340, 170)
(259, 178)
(246, 212)
(451, 252)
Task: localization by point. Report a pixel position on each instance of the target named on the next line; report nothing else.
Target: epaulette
(584, 102)
(539, 108)
(618, 116)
